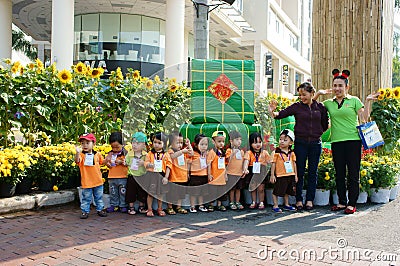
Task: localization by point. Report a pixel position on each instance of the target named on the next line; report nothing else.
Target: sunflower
(381, 97)
(80, 68)
(149, 84)
(14, 69)
(119, 74)
(96, 72)
(173, 87)
(7, 61)
(31, 66)
(396, 93)
(21, 70)
(39, 63)
(388, 93)
(157, 79)
(64, 76)
(136, 74)
(172, 81)
(363, 172)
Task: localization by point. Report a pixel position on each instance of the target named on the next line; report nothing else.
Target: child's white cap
(288, 133)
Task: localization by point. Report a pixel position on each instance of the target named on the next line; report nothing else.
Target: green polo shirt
(344, 120)
(128, 160)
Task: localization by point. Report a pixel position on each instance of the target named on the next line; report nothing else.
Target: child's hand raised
(78, 149)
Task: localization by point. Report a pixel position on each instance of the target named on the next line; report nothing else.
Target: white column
(40, 48)
(174, 40)
(62, 33)
(5, 29)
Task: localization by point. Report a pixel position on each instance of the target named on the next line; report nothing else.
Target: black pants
(347, 156)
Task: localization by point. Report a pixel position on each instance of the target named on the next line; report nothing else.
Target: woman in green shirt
(345, 112)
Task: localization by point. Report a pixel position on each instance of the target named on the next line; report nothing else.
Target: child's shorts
(285, 185)
(198, 185)
(134, 190)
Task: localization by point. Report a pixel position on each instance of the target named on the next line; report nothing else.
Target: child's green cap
(139, 137)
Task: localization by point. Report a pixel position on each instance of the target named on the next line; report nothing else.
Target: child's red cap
(89, 137)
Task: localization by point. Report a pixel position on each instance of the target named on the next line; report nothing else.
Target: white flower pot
(394, 192)
(362, 197)
(268, 193)
(382, 196)
(322, 197)
(335, 198)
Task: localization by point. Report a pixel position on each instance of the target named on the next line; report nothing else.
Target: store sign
(285, 75)
(268, 65)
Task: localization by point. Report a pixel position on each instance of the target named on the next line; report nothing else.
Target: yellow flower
(39, 63)
(96, 72)
(157, 79)
(21, 166)
(149, 84)
(173, 87)
(370, 181)
(388, 93)
(136, 75)
(73, 164)
(104, 180)
(64, 76)
(55, 188)
(95, 84)
(119, 74)
(363, 172)
(14, 69)
(80, 68)
(7, 61)
(327, 177)
(326, 161)
(396, 93)
(326, 173)
(21, 70)
(31, 66)
(275, 96)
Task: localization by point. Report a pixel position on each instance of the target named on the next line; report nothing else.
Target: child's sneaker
(193, 209)
(232, 206)
(84, 215)
(112, 209)
(124, 210)
(202, 208)
(102, 213)
(289, 208)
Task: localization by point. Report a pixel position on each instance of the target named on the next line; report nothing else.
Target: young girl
(283, 171)
(256, 161)
(177, 171)
(117, 175)
(198, 173)
(155, 181)
(89, 163)
(235, 170)
(216, 170)
(135, 161)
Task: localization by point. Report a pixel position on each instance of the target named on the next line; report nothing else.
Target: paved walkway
(56, 236)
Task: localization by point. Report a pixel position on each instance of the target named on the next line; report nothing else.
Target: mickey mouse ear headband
(344, 75)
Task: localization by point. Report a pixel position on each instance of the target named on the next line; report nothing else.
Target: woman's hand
(373, 96)
(324, 92)
(272, 106)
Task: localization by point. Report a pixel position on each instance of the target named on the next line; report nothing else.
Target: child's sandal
(142, 210)
(181, 211)
(160, 212)
(149, 213)
(233, 206)
(210, 208)
(131, 211)
(239, 206)
(170, 211)
(252, 205)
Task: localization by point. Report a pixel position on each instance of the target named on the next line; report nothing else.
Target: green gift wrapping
(284, 123)
(222, 91)
(191, 130)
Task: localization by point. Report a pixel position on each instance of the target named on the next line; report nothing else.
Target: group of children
(209, 176)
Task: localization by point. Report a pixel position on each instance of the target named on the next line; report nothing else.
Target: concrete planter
(394, 192)
(322, 197)
(380, 196)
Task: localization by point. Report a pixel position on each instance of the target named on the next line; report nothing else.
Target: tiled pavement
(56, 236)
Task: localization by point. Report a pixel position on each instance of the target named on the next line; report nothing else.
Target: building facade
(157, 36)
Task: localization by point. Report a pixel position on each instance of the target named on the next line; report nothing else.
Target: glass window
(77, 37)
(109, 27)
(90, 36)
(151, 40)
(131, 29)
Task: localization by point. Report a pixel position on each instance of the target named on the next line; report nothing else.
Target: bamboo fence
(356, 35)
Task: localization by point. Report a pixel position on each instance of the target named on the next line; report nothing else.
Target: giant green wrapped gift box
(191, 130)
(222, 91)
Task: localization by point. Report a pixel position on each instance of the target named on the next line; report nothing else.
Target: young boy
(136, 171)
(89, 163)
(283, 171)
(216, 170)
